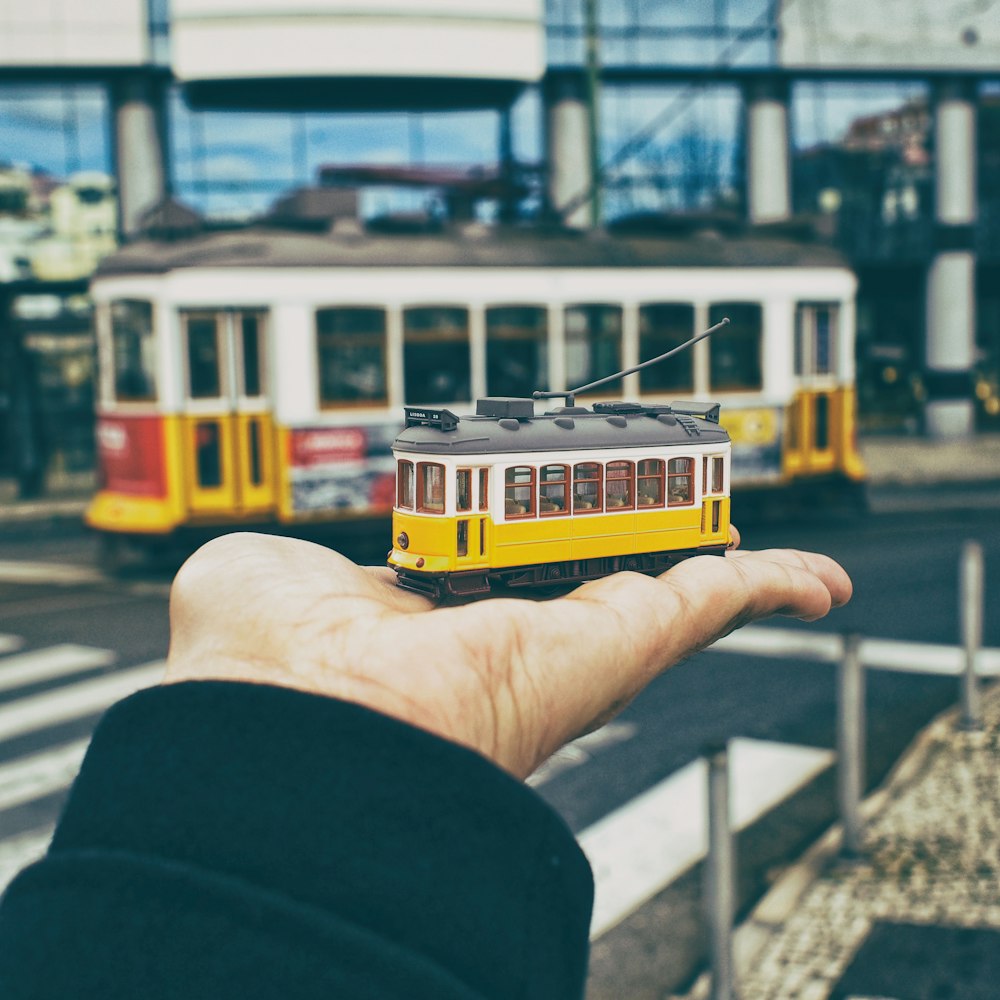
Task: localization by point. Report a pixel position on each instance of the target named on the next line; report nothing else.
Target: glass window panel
(618, 485)
(436, 357)
(351, 349)
(204, 369)
(484, 493)
(517, 350)
(735, 352)
(133, 350)
(253, 360)
(553, 489)
(649, 484)
(662, 327)
(680, 481)
(586, 487)
(593, 345)
(430, 486)
(463, 489)
(404, 485)
(519, 491)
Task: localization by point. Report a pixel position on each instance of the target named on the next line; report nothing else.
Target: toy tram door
(472, 517)
(229, 458)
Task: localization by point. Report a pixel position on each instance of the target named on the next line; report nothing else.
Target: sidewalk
(917, 916)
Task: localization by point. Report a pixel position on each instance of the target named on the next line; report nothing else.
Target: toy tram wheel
(631, 565)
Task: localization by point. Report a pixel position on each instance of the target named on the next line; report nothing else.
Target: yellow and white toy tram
(257, 377)
(511, 497)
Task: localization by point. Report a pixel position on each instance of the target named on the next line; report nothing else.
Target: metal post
(971, 598)
(720, 886)
(851, 743)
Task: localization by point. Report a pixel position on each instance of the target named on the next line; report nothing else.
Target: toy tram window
(586, 488)
(133, 351)
(618, 485)
(519, 491)
(680, 481)
(553, 489)
(430, 488)
(516, 349)
(404, 485)
(717, 474)
(649, 482)
(463, 489)
(484, 493)
(351, 356)
(735, 353)
(662, 327)
(436, 354)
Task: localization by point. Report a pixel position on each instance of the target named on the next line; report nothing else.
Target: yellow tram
(257, 377)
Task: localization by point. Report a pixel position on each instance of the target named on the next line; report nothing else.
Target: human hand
(514, 679)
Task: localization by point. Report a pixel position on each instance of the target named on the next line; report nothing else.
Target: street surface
(73, 641)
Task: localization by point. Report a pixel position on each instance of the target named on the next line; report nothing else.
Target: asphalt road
(904, 566)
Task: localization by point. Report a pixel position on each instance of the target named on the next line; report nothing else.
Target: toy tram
(507, 497)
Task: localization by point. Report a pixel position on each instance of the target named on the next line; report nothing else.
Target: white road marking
(18, 571)
(883, 654)
(642, 847)
(53, 661)
(10, 643)
(34, 777)
(76, 700)
(17, 852)
(581, 750)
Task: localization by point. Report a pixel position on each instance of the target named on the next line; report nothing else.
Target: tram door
(228, 442)
(812, 437)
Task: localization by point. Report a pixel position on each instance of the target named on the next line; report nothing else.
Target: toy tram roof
(269, 247)
(576, 429)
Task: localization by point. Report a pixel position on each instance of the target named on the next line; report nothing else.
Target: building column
(951, 279)
(140, 148)
(768, 176)
(567, 150)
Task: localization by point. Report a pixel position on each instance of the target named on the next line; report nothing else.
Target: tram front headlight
(403, 540)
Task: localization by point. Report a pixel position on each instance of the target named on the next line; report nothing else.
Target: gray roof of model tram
(264, 246)
(477, 435)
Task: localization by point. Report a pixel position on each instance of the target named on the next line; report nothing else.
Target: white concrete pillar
(568, 152)
(768, 176)
(951, 278)
(140, 149)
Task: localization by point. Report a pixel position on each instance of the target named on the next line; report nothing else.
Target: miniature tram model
(509, 497)
(256, 377)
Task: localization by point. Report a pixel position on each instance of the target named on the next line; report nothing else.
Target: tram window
(519, 491)
(517, 350)
(821, 432)
(593, 344)
(251, 328)
(553, 489)
(735, 352)
(484, 493)
(680, 481)
(404, 485)
(717, 474)
(436, 359)
(463, 489)
(586, 487)
(649, 482)
(351, 356)
(133, 350)
(204, 367)
(662, 327)
(430, 487)
(618, 485)
(815, 338)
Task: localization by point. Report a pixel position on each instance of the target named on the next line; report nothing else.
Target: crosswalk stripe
(581, 750)
(54, 661)
(9, 643)
(75, 700)
(17, 571)
(41, 774)
(17, 852)
(884, 654)
(642, 847)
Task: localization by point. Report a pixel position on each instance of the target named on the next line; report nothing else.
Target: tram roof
(270, 247)
(620, 426)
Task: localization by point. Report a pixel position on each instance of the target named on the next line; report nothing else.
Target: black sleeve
(239, 841)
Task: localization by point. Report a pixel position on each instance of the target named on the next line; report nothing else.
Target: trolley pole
(720, 885)
(851, 743)
(971, 601)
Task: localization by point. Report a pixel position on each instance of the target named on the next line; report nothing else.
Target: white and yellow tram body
(256, 377)
(519, 499)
